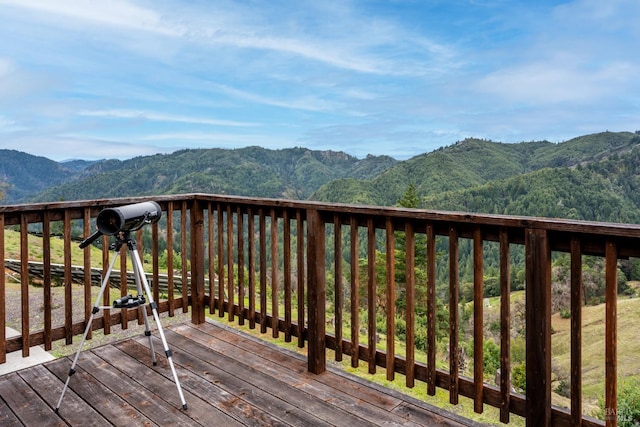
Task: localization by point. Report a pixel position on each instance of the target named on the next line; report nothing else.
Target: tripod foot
(184, 406)
(56, 410)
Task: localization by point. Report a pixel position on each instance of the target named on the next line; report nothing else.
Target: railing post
(538, 328)
(316, 294)
(3, 299)
(197, 263)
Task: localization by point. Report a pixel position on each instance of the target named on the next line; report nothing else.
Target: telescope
(126, 218)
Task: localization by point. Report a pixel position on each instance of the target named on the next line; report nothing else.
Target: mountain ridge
(537, 178)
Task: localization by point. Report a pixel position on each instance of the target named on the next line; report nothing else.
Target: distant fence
(36, 270)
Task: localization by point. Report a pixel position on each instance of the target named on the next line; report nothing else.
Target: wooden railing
(274, 263)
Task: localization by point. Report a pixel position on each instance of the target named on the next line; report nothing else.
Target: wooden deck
(228, 377)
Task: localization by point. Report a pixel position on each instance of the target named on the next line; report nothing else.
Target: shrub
(519, 377)
(628, 411)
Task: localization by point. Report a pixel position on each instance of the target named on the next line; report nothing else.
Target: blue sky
(124, 78)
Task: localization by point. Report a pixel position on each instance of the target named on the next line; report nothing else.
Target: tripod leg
(154, 309)
(142, 311)
(95, 309)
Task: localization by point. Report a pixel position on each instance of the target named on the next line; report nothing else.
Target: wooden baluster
(106, 313)
(24, 282)
(391, 299)
(155, 255)
(221, 274)
(505, 328)
(355, 297)
(410, 303)
(230, 284)
(240, 243)
(611, 332)
(46, 279)
(263, 271)
(170, 282)
(454, 317)
(337, 321)
(576, 332)
(211, 253)
(371, 295)
(431, 310)
(301, 276)
(287, 274)
(252, 268)
(478, 320)
(124, 289)
(139, 312)
(88, 303)
(184, 257)
(275, 312)
(68, 285)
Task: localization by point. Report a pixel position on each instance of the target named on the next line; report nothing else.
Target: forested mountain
(290, 173)
(25, 174)
(550, 192)
(594, 177)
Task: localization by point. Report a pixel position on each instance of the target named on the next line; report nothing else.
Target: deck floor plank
(100, 397)
(340, 384)
(298, 366)
(163, 388)
(278, 385)
(25, 402)
(47, 385)
(295, 381)
(228, 378)
(149, 404)
(227, 391)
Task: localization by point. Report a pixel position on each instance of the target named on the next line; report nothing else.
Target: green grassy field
(593, 348)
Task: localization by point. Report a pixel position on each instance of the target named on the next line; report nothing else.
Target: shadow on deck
(228, 377)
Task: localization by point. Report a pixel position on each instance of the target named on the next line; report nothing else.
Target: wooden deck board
(228, 378)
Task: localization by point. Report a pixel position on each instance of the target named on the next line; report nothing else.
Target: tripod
(123, 238)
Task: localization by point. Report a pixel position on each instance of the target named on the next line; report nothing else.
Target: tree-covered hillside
(550, 192)
(594, 177)
(24, 174)
(290, 173)
(467, 163)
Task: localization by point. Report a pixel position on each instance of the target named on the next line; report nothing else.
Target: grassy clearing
(35, 243)
(593, 348)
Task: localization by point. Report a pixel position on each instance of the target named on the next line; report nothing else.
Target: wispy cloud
(158, 117)
(309, 103)
(115, 13)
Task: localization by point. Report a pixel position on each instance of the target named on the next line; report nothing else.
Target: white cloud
(550, 83)
(308, 103)
(114, 13)
(158, 117)
(7, 125)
